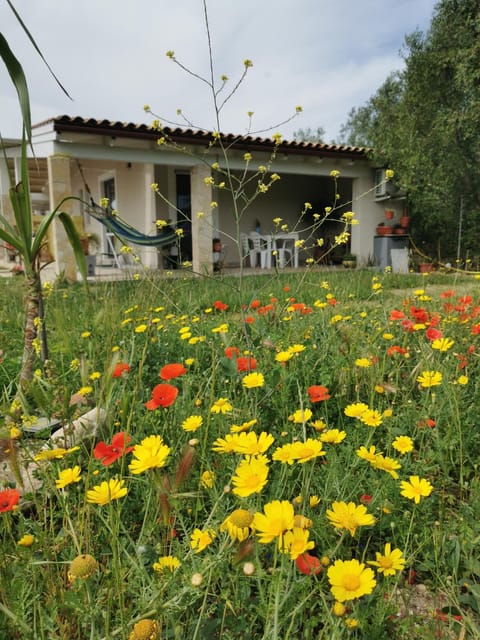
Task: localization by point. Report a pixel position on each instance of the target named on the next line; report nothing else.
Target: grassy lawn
(307, 468)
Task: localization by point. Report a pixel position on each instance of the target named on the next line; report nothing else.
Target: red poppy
(408, 325)
(396, 315)
(420, 315)
(396, 349)
(445, 617)
(308, 565)
(447, 294)
(318, 393)
(231, 351)
(255, 304)
(220, 306)
(365, 498)
(332, 302)
(119, 369)
(249, 320)
(265, 309)
(9, 498)
(170, 371)
(476, 329)
(163, 395)
(433, 334)
(246, 363)
(426, 423)
(108, 453)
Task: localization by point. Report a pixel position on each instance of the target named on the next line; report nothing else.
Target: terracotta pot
(389, 213)
(384, 230)
(400, 231)
(405, 222)
(425, 267)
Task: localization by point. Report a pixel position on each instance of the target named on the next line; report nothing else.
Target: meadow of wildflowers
(291, 464)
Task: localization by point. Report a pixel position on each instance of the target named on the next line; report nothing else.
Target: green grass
(338, 328)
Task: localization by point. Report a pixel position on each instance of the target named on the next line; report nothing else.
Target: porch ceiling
(37, 174)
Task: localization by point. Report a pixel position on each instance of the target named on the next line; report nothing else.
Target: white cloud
(110, 56)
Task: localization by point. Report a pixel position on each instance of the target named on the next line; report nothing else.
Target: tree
(309, 135)
(424, 122)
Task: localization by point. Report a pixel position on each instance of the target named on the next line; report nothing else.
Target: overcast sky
(325, 55)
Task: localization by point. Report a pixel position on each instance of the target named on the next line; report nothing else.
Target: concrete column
(5, 204)
(150, 254)
(60, 186)
(365, 210)
(202, 228)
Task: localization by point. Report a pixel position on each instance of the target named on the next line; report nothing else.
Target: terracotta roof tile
(198, 136)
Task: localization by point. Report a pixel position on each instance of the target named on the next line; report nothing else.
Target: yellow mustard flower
(200, 540)
(151, 453)
(388, 562)
(166, 563)
(430, 379)
(277, 518)
(415, 488)
(238, 524)
(105, 492)
(250, 476)
(350, 579)
(349, 516)
(253, 380)
(403, 444)
(68, 476)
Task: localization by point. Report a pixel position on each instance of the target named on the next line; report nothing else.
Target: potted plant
(389, 213)
(383, 229)
(426, 267)
(349, 261)
(405, 219)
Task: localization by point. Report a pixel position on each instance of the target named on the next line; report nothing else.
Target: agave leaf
(15, 70)
(30, 37)
(74, 239)
(8, 234)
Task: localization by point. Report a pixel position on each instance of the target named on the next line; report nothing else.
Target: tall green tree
(309, 135)
(424, 122)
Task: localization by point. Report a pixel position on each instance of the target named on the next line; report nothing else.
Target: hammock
(127, 233)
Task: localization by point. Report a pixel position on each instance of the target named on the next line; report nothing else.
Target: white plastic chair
(256, 246)
(263, 247)
(285, 251)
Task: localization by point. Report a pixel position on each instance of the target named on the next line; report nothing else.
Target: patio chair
(256, 246)
(285, 248)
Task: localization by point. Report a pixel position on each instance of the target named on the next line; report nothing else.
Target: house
(151, 177)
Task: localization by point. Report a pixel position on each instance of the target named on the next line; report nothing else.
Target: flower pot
(384, 230)
(405, 221)
(349, 264)
(389, 213)
(425, 267)
(400, 231)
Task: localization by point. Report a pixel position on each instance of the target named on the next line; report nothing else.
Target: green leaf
(15, 70)
(74, 239)
(30, 37)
